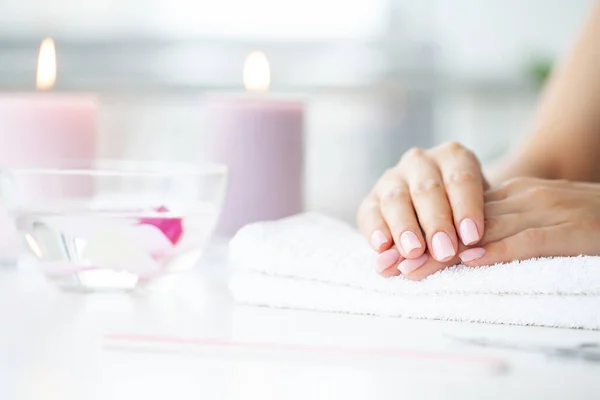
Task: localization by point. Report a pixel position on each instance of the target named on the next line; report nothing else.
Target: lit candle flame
(257, 72)
(46, 69)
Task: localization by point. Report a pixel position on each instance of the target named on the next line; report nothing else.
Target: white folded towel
(313, 262)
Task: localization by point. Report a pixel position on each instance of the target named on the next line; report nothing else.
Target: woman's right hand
(423, 206)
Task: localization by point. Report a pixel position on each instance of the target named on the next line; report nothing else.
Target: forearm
(573, 163)
(514, 166)
(565, 142)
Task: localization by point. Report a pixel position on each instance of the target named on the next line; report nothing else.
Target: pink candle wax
(260, 139)
(44, 129)
(40, 129)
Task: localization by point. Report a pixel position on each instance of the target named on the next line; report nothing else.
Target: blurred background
(378, 76)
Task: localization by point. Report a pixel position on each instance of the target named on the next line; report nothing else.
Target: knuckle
(427, 187)
(538, 191)
(492, 224)
(415, 152)
(442, 221)
(534, 237)
(542, 196)
(395, 194)
(516, 183)
(461, 177)
(513, 182)
(366, 208)
(455, 148)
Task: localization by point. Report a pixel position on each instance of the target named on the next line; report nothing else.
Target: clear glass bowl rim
(114, 167)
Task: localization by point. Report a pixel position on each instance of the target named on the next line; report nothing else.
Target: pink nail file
(207, 347)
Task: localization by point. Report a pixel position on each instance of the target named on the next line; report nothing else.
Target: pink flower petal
(171, 227)
(150, 238)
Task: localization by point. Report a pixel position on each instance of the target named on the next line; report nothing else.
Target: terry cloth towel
(314, 262)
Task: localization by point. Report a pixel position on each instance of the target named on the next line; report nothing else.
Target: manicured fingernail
(472, 254)
(443, 250)
(468, 231)
(410, 264)
(378, 239)
(409, 242)
(386, 259)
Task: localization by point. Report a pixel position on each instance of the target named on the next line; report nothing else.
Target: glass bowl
(97, 225)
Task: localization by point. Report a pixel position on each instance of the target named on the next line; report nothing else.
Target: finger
(424, 266)
(386, 263)
(502, 207)
(372, 224)
(531, 199)
(506, 188)
(530, 243)
(503, 226)
(515, 186)
(464, 187)
(431, 205)
(388, 273)
(399, 214)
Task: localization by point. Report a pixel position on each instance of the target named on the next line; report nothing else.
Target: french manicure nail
(386, 259)
(468, 231)
(443, 249)
(378, 239)
(409, 242)
(410, 264)
(472, 254)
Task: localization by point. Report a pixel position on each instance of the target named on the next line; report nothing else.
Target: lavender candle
(260, 138)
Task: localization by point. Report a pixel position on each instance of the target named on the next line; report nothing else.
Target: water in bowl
(116, 249)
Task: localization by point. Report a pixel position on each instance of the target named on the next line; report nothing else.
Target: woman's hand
(529, 217)
(430, 200)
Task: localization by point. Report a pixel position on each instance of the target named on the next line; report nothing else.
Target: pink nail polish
(443, 250)
(468, 231)
(409, 242)
(386, 259)
(410, 264)
(472, 254)
(378, 239)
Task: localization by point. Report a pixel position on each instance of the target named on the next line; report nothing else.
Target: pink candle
(40, 129)
(47, 130)
(44, 129)
(260, 139)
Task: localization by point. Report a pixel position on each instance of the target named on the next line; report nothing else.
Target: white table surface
(53, 346)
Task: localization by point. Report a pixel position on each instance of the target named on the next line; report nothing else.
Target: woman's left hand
(529, 217)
